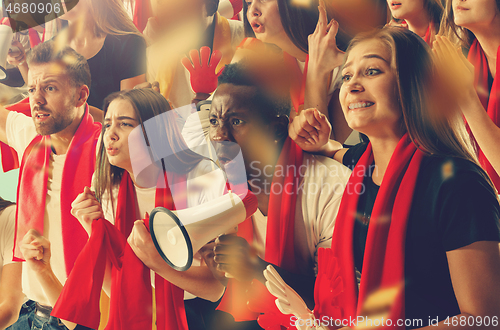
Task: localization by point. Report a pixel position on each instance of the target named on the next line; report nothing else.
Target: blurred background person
(422, 17)
(475, 25)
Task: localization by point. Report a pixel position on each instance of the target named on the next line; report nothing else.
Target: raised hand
(324, 55)
(202, 74)
(454, 70)
(86, 208)
(16, 55)
(234, 256)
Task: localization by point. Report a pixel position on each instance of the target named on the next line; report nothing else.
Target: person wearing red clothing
(475, 85)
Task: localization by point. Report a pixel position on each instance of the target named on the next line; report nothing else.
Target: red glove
(328, 285)
(203, 77)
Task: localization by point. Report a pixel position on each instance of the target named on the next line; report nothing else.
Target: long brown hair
(432, 131)
(298, 22)
(111, 18)
(147, 104)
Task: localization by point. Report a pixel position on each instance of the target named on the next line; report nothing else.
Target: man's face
(53, 98)
(235, 124)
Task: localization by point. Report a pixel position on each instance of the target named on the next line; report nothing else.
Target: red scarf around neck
(429, 33)
(32, 191)
(490, 99)
(131, 302)
(384, 258)
(280, 249)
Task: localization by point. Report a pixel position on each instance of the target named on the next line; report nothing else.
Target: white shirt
(204, 183)
(7, 225)
(321, 188)
(20, 131)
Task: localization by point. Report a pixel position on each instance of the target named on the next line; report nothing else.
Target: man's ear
(279, 126)
(82, 94)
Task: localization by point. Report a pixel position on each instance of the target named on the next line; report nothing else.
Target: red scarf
(429, 33)
(131, 295)
(298, 81)
(280, 248)
(142, 12)
(10, 159)
(384, 259)
(490, 99)
(77, 173)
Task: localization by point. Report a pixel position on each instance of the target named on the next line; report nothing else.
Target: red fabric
(298, 82)
(34, 37)
(131, 302)
(237, 6)
(279, 245)
(142, 12)
(10, 159)
(77, 173)
(384, 259)
(489, 98)
(429, 33)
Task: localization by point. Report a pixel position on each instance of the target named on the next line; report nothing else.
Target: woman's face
(406, 9)
(264, 18)
(472, 14)
(119, 121)
(368, 94)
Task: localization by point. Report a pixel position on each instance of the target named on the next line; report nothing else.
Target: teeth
(358, 105)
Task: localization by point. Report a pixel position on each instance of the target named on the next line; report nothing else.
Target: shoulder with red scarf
(284, 247)
(413, 204)
(77, 173)
(489, 96)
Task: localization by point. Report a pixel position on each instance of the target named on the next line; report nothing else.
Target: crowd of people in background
(360, 135)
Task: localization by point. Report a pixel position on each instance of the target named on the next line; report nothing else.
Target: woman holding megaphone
(129, 184)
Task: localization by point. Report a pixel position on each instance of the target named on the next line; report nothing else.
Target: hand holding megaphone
(234, 256)
(16, 55)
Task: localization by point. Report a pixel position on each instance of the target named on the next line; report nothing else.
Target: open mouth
(360, 105)
(41, 116)
(395, 5)
(258, 28)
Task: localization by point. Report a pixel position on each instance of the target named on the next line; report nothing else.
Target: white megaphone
(178, 235)
(6, 36)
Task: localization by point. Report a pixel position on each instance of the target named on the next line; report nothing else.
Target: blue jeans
(28, 320)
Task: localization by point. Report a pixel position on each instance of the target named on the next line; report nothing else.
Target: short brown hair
(76, 65)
